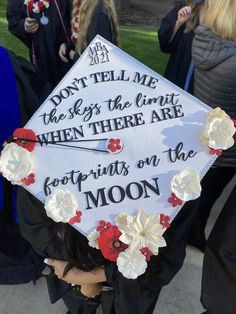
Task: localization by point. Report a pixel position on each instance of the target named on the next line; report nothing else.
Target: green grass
(7, 39)
(141, 43)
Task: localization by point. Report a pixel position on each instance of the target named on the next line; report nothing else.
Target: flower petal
(186, 185)
(61, 205)
(16, 163)
(131, 263)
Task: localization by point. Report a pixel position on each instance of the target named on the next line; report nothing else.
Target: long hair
(79, 253)
(193, 21)
(82, 13)
(221, 18)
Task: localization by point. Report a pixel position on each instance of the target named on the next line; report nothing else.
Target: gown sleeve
(16, 15)
(166, 29)
(32, 86)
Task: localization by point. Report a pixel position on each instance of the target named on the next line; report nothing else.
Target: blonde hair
(193, 21)
(82, 13)
(221, 18)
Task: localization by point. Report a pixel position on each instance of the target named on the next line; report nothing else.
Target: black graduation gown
(179, 49)
(19, 263)
(31, 86)
(101, 24)
(47, 40)
(219, 265)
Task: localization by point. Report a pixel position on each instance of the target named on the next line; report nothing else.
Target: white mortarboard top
(119, 149)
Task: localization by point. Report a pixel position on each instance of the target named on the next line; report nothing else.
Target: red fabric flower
(76, 218)
(103, 226)
(29, 180)
(41, 6)
(174, 200)
(217, 152)
(114, 145)
(25, 138)
(39, 3)
(165, 221)
(234, 122)
(147, 253)
(109, 243)
(31, 6)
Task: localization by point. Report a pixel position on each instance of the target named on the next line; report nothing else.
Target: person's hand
(184, 15)
(91, 290)
(58, 266)
(75, 275)
(63, 52)
(72, 54)
(31, 25)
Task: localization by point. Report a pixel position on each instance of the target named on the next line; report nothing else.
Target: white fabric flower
(93, 239)
(46, 4)
(219, 130)
(131, 263)
(61, 205)
(144, 231)
(16, 163)
(186, 185)
(123, 220)
(36, 8)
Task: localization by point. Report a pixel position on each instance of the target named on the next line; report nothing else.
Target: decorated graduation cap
(115, 151)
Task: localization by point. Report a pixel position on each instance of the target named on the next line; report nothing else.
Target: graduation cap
(116, 150)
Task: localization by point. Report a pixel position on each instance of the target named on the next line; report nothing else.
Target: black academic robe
(31, 86)
(19, 263)
(179, 49)
(219, 265)
(46, 41)
(101, 24)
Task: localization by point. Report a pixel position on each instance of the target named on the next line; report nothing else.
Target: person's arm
(64, 37)
(90, 282)
(170, 30)
(183, 16)
(76, 276)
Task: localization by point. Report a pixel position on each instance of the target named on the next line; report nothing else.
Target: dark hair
(79, 253)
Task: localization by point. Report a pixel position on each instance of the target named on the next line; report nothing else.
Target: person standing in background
(214, 56)
(90, 18)
(175, 35)
(42, 26)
